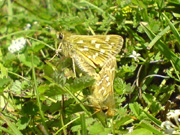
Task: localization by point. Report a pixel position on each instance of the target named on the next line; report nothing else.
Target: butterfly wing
(84, 65)
(103, 94)
(96, 50)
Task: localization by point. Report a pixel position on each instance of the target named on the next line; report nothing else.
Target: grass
(39, 95)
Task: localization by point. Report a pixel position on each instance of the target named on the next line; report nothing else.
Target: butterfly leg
(74, 67)
(56, 52)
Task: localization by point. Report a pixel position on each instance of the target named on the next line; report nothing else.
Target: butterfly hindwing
(102, 92)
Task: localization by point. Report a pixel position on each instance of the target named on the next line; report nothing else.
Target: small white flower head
(135, 55)
(130, 129)
(17, 45)
(27, 27)
(174, 116)
(168, 126)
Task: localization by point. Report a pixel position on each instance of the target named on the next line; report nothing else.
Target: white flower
(17, 45)
(27, 27)
(168, 126)
(135, 55)
(130, 129)
(174, 116)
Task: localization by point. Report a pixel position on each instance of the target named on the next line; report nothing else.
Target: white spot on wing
(107, 38)
(104, 93)
(86, 48)
(80, 42)
(97, 45)
(102, 51)
(93, 41)
(100, 82)
(100, 90)
(89, 56)
(94, 56)
(108, 84)
(112, 44)
(107, 78)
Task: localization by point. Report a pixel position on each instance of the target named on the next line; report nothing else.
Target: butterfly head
(64, 45)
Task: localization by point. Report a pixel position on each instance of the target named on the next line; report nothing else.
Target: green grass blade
(163, 48)
(156, 121)
(83, 124)
(173, 29)
(92, 5)
(10, 10)
(65, 126)
(150, 127)
(77, 100)
(6, 130)
(158, 37)
(37, 96)
(11, 125)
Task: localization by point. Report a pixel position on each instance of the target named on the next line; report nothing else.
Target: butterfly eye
(60, 36)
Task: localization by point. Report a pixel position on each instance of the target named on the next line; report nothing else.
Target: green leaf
(81, 83)
(27, 60)
(4, 71)
(150, 127)
(140, 131)
(121, 87)
(43, 88)
(124, 120)
(23, 123)
(76, 128)
(4, 83)
(54, 90)
(95, 129)
(30, 108)
(16, 87)
(136, 109)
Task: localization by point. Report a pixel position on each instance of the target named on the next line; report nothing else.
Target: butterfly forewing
(97, 48)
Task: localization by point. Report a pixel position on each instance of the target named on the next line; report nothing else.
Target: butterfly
(95, 52)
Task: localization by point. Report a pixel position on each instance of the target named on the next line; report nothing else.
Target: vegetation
(39, 93)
